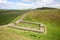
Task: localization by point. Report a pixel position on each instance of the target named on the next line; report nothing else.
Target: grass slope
(11, 34)
(51, 20)
(7, 16)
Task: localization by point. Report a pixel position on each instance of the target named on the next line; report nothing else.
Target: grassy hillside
(11, 34)
(51, 20)
(7, 16)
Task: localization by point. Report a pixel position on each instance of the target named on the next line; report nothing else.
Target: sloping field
(7, 16)
(12, 34)
(43, 15)
(51, 20)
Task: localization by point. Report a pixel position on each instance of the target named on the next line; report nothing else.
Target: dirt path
(4, 26)
(21, 19)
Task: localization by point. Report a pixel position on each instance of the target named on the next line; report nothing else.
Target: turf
(27, 25)
(7, 16)
(11, 34)
(51, 20)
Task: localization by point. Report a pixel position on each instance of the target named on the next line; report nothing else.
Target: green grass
(8, 16)
(51, 20)
(29, 34)
(34, 26)
(11, 34)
